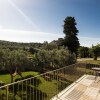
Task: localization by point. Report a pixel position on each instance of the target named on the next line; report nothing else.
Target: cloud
(1, 27)
(88, 41)
(24, 15)
(27, 36)
(32, 36)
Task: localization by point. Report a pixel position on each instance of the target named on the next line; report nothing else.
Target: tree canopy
(37, 57)
(83, 52)
(96, 51)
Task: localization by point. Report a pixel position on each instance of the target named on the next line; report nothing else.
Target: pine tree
(71, 40)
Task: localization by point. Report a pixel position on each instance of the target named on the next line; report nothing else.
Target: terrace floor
(85, 88)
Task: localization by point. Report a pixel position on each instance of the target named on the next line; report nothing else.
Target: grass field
(46, 85)
(6, 78)
(89, 60)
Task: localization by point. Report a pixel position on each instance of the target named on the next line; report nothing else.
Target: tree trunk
(11, 78)
(95, 57)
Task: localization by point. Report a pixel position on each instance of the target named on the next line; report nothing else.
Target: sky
(43, 20)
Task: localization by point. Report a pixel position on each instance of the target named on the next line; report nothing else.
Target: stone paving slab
(86, 88)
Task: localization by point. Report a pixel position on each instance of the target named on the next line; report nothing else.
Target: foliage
(49, 46)
(33, 50)
(37, 57)
(83, 52)
(96, 51)
(58, 42)
(70, 31)
(18, 46)
(52, 59)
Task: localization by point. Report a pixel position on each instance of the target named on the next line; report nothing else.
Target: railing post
(7, 92)
(33, 88)
(26, 90)
(30, 89)
(57, 81)
(0, 94)
(22, 90)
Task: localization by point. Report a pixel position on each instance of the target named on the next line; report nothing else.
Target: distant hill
(16, 45)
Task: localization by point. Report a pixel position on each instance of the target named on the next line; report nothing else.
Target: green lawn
(89, 60)
(45, 86)
(93, 61)
(6, 78)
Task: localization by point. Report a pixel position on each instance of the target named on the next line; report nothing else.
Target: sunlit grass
(6, 78)
(89, 60)
(93, 61)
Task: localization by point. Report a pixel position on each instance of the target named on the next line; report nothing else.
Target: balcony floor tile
(85, 88)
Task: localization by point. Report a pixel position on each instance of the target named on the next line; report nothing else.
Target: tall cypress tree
(71, 40)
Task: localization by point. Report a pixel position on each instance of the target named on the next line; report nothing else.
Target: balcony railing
(44, 86)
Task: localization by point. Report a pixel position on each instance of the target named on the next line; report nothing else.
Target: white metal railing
(43, 86)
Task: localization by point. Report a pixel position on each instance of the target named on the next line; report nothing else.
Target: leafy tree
(2, 59)
(49, 46)
(33, 50)
(58, 42)
(41, 60)
(96, 51)
(64, 57)
(70, 31)
(83, 52)
(52, 59)
(15, 63)
(90, 53)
